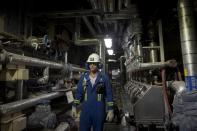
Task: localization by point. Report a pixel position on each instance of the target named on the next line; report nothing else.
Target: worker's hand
(74, 111)
(110, 115)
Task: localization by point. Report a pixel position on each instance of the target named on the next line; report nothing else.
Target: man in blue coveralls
(93, 91)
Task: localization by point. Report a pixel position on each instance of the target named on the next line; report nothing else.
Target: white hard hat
(93, 58)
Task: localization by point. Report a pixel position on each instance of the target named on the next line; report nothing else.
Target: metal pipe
(119, 5)
(26, 103)
(170, 63)
(153, 52)
(70, 14)
(66, 57)
(155, 65)
(161, 43)
(30, 61)
(75, 68)
(86, 42)
(103, 4)
(89, 25)
(126, 3)
(188, 35)
(111, 5)
(83, 42)
(95, 6)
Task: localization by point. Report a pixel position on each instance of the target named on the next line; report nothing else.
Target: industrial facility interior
(148, 49)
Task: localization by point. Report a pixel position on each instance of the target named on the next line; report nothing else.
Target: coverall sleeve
(79, 91)
(108, 91)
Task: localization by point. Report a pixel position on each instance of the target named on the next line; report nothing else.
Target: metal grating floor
(115, 127)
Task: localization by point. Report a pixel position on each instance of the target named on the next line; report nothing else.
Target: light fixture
(110, 51)
(108, 42)
(112, 60)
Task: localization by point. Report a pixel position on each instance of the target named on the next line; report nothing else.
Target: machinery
(29, 81)
(153, 69)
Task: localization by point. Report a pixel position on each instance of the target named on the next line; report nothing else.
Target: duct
(30, 61)
(188, 35)
(26, 103)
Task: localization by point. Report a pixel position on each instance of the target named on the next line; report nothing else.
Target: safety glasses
(92, 63)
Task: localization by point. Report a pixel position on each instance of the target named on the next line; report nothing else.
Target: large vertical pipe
(66, 57)
(151, 34)
(138, 34)
(161, 44)
(188, 42)
(102, 54)
(111, 5)
(153, 52)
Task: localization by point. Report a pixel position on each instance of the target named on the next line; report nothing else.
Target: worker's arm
(79, 91)
(108, 91)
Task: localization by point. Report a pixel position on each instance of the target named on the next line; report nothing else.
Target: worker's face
(93, 67)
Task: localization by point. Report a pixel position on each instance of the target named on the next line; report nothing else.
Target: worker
(93, 92)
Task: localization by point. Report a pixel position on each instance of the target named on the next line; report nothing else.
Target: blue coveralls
(93, 102)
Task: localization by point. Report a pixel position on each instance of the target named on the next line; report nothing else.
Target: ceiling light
(112, 60)
(110, 51)
(108, 42)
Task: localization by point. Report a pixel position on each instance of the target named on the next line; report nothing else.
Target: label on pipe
(69, 96)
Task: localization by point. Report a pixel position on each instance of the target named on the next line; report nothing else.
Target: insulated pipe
(170, 63)
(26, 103)
(86, 42)
(30, 61)
(153, 52)
(188, 35)
(156, 65)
